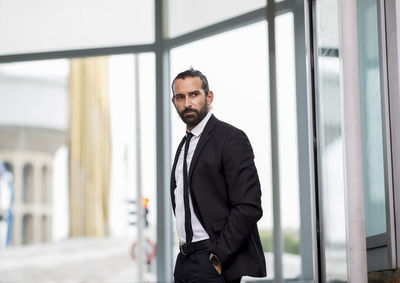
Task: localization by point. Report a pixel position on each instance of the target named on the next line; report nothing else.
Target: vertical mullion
(277, 230)
(307, 248)
(140, 209)
(382, 37)
(309, 14)
(352, 141)
(163, 150)
(392, 10)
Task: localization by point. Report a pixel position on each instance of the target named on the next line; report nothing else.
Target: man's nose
(188, 101)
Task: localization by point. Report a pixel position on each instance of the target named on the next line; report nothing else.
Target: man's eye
(194, 94)
(179, 97)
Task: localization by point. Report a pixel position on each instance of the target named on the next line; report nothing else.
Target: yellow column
(89, 147)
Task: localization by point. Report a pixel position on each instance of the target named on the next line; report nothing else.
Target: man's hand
(218, 268)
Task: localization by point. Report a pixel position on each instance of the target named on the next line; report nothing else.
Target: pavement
(79, 260)
(93, 260)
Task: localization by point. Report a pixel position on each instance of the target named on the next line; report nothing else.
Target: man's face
(190, 100)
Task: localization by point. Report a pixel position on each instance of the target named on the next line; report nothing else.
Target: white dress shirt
(199, 233)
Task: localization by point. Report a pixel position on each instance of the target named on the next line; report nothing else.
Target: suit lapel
(173, 181)
(205, 135)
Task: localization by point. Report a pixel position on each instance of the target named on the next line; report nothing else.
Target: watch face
(215, 260)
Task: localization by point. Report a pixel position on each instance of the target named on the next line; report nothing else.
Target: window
(185, 16)
(45, 189)
(64, 25)
(330, 166)
(28, 190)
(27, 229)
(288, 147)
(128, 87)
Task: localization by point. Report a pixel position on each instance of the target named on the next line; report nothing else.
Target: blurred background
(78, 135)
(87, 131)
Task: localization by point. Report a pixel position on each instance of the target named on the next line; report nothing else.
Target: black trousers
(196, 267)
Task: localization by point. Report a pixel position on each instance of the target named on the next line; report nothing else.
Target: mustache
(188, 110)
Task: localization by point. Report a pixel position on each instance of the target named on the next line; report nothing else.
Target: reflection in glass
(372, 133)
(331, 185)
(288, 157)
(329, 143)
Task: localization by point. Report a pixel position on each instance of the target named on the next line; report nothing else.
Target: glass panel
(122, 117)
(132, 80)
(288, 157)
(147, 93)
(329, 143)
(87, 217)
(73, 24)
(239, 81)
(181, 13)
(372, 134)
(327, 23)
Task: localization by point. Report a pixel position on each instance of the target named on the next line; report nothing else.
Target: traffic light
(132, 211)
(145, 202)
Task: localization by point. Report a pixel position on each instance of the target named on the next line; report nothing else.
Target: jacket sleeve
(244, 195)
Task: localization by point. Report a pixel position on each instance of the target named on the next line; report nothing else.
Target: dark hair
(192, 73)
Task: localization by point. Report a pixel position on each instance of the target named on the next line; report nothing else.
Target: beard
(191, 117)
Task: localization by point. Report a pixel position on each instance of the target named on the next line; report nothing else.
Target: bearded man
(215, 192)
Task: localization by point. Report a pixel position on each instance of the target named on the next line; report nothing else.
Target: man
(215, 192)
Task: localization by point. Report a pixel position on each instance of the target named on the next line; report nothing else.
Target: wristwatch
(215, 260)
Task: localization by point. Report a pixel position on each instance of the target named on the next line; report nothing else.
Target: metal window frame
(351, 125)
(161, 48)
(383, 250)
(381, 253)
(305, 142)
(390, 31)
(306, 187)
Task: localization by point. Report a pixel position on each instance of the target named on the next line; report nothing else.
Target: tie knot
(189, 135)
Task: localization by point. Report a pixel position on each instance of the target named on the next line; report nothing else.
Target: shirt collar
(196, 131)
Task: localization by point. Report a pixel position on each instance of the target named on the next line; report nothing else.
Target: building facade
(30, 164)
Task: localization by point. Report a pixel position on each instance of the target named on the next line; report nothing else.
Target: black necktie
(188, 222)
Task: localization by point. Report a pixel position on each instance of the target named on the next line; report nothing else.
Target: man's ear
(210, 97)
(173, 101)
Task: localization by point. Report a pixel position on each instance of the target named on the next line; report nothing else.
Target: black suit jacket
(226, 197)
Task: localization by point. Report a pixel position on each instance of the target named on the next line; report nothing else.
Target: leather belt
(195, 246)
